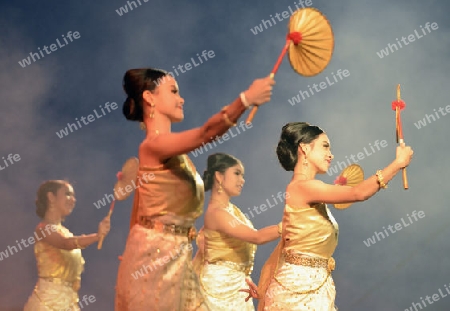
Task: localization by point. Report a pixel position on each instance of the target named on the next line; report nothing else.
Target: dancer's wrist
(244, 100)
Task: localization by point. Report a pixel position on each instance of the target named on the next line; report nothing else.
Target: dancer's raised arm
(316, 191)
(154, 99)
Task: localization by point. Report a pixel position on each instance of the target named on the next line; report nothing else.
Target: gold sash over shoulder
(311, 230)
(173, 188)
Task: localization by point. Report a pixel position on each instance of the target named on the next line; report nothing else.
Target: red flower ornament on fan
(351, 176)
(119, 175)
(340, 180)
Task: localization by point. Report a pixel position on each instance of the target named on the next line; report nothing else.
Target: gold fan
(126, 179)
(312, 48)
(124, 186)
(351, 176)
(312, 55)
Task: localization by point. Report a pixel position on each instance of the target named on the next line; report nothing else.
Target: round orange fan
(312, 55)
(126, 179)
(351, 176)
(310, 42)
(124, 186)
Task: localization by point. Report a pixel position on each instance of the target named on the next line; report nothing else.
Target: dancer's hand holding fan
(310, 42)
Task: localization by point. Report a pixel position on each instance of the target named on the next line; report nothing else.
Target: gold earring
(220, 190)
(142, 126)
(305, 162)
(152, 112)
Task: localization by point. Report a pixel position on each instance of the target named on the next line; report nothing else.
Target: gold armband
(380, 180)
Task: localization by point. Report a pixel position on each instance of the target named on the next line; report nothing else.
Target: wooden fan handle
(255, 108)
(251, 115)
(100, 242)
(405, 178)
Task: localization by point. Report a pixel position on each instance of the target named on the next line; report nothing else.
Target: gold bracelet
(77, 244)
(380, 179)
(280, 228)
(226, 118)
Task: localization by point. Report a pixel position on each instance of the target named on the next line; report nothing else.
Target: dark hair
(292, 135)
(135, 82)
(217, 162)
(41, 198)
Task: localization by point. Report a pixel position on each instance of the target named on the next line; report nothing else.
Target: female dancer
(227, 255)
(298, 274)
(58, 251)
(156, 268)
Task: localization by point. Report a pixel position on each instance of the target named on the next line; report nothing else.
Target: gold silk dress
(156, 271)
(297, 276)
(59, 274)
(224, 266)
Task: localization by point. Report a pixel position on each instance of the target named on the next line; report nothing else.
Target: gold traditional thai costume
(156, 269)
(297, 275)
(224, 266)
(59, 274)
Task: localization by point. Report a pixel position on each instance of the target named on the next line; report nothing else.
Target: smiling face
(232, 180)
(64, 200)
(167, 100)
(319, 154)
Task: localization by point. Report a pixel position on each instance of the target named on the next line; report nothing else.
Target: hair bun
(131, 110)
(207, 180)
(291, 136)
(286, 155)
(135, 82)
